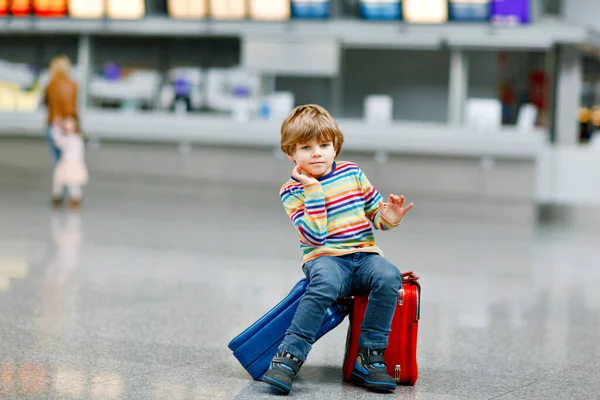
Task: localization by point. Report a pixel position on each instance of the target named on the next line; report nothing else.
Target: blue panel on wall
(380, 10)
(303, 9)
(469, 11)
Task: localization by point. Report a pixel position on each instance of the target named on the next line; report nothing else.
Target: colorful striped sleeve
(307, 211)
(372, 199)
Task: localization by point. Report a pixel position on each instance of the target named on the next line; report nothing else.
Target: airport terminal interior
(138, 295)
(141, 223)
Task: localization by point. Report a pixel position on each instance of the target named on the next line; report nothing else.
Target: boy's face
(314, 157)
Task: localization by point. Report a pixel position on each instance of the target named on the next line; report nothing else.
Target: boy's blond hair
(307, 123)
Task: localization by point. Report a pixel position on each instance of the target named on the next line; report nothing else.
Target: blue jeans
(331, 278)
(54, 150)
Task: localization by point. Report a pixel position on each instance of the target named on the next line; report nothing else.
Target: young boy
(332, 204)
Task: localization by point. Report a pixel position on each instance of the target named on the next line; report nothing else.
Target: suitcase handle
(410, 278)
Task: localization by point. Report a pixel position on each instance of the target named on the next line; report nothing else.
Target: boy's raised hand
(394, 210)
(303, 176)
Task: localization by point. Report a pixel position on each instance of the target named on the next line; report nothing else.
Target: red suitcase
(401, 354)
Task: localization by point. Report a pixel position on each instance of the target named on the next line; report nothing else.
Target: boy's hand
(394, 210)
(303, 176)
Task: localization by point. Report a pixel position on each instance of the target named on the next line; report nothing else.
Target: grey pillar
(85, 65)
(458, 86)
(538, 9)
(337, 86)
(569, 77)
(268, 83)
(550, 67)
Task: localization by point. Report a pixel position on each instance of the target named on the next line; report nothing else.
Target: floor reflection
(12, 268)
(31, 378)
(65, 230)
(58, 293)
(24, 379)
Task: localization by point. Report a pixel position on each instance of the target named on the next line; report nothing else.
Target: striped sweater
(332, 215)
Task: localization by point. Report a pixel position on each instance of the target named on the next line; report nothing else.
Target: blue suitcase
(255, 347)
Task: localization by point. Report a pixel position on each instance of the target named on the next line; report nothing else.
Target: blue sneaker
(284, 367)
(369, 370)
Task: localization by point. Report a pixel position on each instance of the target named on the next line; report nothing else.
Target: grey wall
(555, 7)
(165, 52)
(130, 52)
(582, 12)
(416, 80)
(307, 90)
(37, 49)
(485, 73)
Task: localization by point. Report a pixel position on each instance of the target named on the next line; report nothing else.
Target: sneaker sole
(283, 388)
(380, 386)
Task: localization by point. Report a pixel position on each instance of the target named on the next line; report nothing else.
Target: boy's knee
(325, 285)
(388, 276)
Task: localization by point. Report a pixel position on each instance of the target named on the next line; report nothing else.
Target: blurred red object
(539, 94)
(3, 7)
(538, 89)
(50, 8)
(20, 8)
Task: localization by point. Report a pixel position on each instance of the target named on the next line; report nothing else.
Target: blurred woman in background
(60, 99)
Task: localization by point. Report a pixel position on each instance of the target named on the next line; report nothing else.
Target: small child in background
(71, 171)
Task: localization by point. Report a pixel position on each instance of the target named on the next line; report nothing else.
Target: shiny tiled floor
(138, 295)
